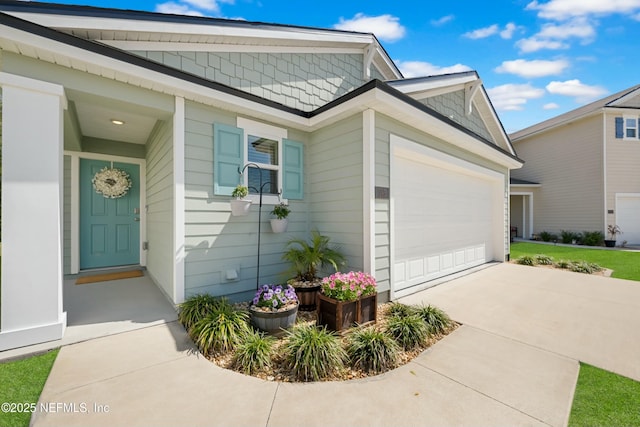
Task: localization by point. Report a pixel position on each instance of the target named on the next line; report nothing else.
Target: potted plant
(613, 231)
(306, 259)
(347, 299)
(279, 223)
(274, 308)
(240, 206)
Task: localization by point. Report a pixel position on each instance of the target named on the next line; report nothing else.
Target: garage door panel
(444, 220)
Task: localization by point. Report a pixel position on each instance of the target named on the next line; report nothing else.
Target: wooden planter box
(341, 315)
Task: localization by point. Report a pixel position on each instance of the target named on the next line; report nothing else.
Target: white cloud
(566, 9)
(534, 44)
(482, 33)
(177, 9)
(385, 27)
(441, 21)
(576, 89)
(579, 28)
(534, 68)
(421, 69)
(513, 97)
(550, 106)
(508, 31)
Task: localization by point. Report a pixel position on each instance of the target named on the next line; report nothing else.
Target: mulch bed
(280, 373)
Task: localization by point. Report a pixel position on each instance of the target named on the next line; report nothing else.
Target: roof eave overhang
(373, 95)
(586, 115)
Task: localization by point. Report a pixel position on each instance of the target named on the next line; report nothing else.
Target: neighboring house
(410, 177)
(581, 171)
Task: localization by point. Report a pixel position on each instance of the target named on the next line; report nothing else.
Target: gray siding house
(581, 171)
(410, 177)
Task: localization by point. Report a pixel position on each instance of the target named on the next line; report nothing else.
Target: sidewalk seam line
(485, 394)
(275, 394)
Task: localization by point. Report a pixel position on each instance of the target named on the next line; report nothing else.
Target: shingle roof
(573, 114)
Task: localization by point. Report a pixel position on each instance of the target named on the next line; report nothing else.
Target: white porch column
(31, 310)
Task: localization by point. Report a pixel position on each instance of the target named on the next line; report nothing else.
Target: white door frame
(75, 201)
(525, 234)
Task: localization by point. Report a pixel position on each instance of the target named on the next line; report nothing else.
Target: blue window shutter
(293, 169)
(619, 127)
(228, 155)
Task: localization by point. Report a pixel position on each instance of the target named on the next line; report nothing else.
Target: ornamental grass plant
(410, 332)
(373, 350)
(254, 352)
(436, 319)
(313, 353)
(222, 329)
(195, 308)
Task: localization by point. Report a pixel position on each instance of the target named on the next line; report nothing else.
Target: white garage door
(448, 216)
(628, 218)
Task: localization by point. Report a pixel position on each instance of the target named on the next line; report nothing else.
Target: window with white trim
(630, 127)
(263, 147)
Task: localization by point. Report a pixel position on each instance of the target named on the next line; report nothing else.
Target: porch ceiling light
(117, 122)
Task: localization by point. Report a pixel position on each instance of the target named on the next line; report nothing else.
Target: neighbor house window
(631, 128)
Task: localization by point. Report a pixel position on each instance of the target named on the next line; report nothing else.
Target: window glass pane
(630, 123)
(269, 180)
(262, 150)
(631, 133)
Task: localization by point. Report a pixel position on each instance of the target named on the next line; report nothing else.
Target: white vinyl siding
(159, 205)
(334, 170)
(623, 169)
(567, 161)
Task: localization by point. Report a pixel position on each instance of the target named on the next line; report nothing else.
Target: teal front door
(109, 228)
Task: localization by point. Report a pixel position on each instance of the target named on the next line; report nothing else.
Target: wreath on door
(111, 182)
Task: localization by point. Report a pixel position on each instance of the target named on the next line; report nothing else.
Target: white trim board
(75, 201)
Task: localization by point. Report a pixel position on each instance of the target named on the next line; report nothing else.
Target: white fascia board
(240, 31)
(428, 86)
(151, 79)
(216, 47)
(525, 185)
(503, 135)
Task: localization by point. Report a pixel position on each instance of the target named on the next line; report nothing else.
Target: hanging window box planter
(341, 315)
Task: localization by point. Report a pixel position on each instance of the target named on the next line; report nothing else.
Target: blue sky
(537, 59)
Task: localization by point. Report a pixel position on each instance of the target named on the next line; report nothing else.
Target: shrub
(195, 308)
(569, 236)
(313, 353)
(372, 350)
(584, 267)
(543, 259)
(409, 331)
(526, 260)
(399, 309)
(222, 329)
(253, 353)
(436, 320)
(592, 238)
(563, 264)
(548, 237)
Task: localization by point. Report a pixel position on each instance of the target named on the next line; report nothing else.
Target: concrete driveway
(588, 318)
(513, 362)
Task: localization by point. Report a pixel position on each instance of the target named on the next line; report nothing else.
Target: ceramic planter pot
(279, 225)
(610, 243)
(273, 322)
(240, 207)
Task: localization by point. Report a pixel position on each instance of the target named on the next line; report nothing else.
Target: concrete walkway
(513, 362)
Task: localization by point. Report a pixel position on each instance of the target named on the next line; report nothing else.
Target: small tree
(307, 257)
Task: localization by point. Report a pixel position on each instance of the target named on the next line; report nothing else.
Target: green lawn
(21, 382)
(605, 399)
(625, 265)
